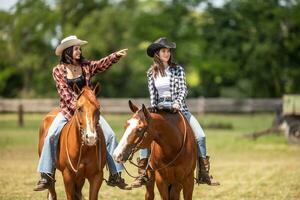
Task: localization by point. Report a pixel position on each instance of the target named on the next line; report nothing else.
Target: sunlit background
(241, 57)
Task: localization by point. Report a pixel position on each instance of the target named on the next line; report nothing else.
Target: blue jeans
(111, 144)
(199, 136)
(48, 155)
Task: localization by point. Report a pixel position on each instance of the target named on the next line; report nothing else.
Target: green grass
(266, 168)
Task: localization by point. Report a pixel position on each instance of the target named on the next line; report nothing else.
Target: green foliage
(245, 48)
(255, 37)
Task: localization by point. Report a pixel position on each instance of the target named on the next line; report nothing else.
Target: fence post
(20, 115)
(200, 105)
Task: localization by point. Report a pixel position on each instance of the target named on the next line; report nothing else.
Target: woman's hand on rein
(175, 107)
(122, 52)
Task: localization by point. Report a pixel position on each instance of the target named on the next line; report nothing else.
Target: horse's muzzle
(121, 157)
(90, 140)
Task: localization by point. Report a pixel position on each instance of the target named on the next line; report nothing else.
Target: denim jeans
(48, 155)
(199, 136)
(111, 144)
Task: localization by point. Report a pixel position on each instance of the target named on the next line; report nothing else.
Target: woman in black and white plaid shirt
(167, 88)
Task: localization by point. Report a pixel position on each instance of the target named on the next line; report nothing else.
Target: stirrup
(207, 180)
(45, 182)
(116, 180)
(140, 181)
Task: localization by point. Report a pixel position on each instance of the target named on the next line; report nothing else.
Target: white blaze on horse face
(91, 135)
(118, 152)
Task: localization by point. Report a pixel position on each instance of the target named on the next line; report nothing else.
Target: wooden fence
(111, 105)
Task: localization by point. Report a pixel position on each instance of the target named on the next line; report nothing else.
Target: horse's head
(87, 113)
(136, 135)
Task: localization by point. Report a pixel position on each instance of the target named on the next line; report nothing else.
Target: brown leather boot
(143, 178)
(115, 180)
(45, 182)
(203, 176)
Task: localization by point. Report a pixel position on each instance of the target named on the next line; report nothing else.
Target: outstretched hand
(122, 52)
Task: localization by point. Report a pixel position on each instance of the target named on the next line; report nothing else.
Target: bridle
(82, 132)
(141, 139)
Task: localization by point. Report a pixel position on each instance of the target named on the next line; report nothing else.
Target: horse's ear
(97, 88)
(146, 112)
(132, 107)
(76, 89)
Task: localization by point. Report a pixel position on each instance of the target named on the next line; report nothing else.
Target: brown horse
(173, 151)
(82, 150)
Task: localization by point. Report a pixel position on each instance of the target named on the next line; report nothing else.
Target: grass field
(267, 168)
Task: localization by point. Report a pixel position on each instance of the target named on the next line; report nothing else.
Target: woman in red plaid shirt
(74, 69)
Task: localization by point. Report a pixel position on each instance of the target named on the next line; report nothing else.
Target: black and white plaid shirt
(177, 86)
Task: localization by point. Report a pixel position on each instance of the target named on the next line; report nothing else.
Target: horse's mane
(89, 94)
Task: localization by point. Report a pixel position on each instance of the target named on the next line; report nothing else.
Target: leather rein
(81, 130)
(141, 139)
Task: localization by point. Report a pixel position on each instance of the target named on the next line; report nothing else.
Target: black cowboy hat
(158, 44)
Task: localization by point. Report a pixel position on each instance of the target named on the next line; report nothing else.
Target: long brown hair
(158, 67)
(67, 57)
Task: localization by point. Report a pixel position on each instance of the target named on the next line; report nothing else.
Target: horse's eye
(140, 129)
(80, 109)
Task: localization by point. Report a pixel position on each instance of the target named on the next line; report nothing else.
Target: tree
(244, 48)
(252, 38)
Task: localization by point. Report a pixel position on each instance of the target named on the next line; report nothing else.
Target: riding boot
(142, 178)
(203, 176)
(45, 182)
(117, 180)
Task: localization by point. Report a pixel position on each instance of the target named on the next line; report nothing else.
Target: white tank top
(162, 84)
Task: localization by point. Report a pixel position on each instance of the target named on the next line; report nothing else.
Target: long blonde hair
(158, 67)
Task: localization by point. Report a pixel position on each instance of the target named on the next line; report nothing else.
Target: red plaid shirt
(67, 97)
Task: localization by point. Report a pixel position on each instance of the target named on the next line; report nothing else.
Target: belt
(164, 99)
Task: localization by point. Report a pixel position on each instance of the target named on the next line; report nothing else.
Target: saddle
(166, 108)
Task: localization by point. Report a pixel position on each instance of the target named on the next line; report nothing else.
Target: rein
(135, 149)
(179, 153)
(67, 149)
(80, 150)
(149, 159)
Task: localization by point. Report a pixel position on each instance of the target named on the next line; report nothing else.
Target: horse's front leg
(175, 191)
(188, 187)
(78, 188)
(149, 195)
(52, 193)
(95, 184)
(69, 182)
(162, 186)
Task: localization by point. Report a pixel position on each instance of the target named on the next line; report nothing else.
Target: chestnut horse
(173, 151)
(81, 150)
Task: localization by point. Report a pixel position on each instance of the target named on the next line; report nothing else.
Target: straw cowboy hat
(68, 42)
(158, 44)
